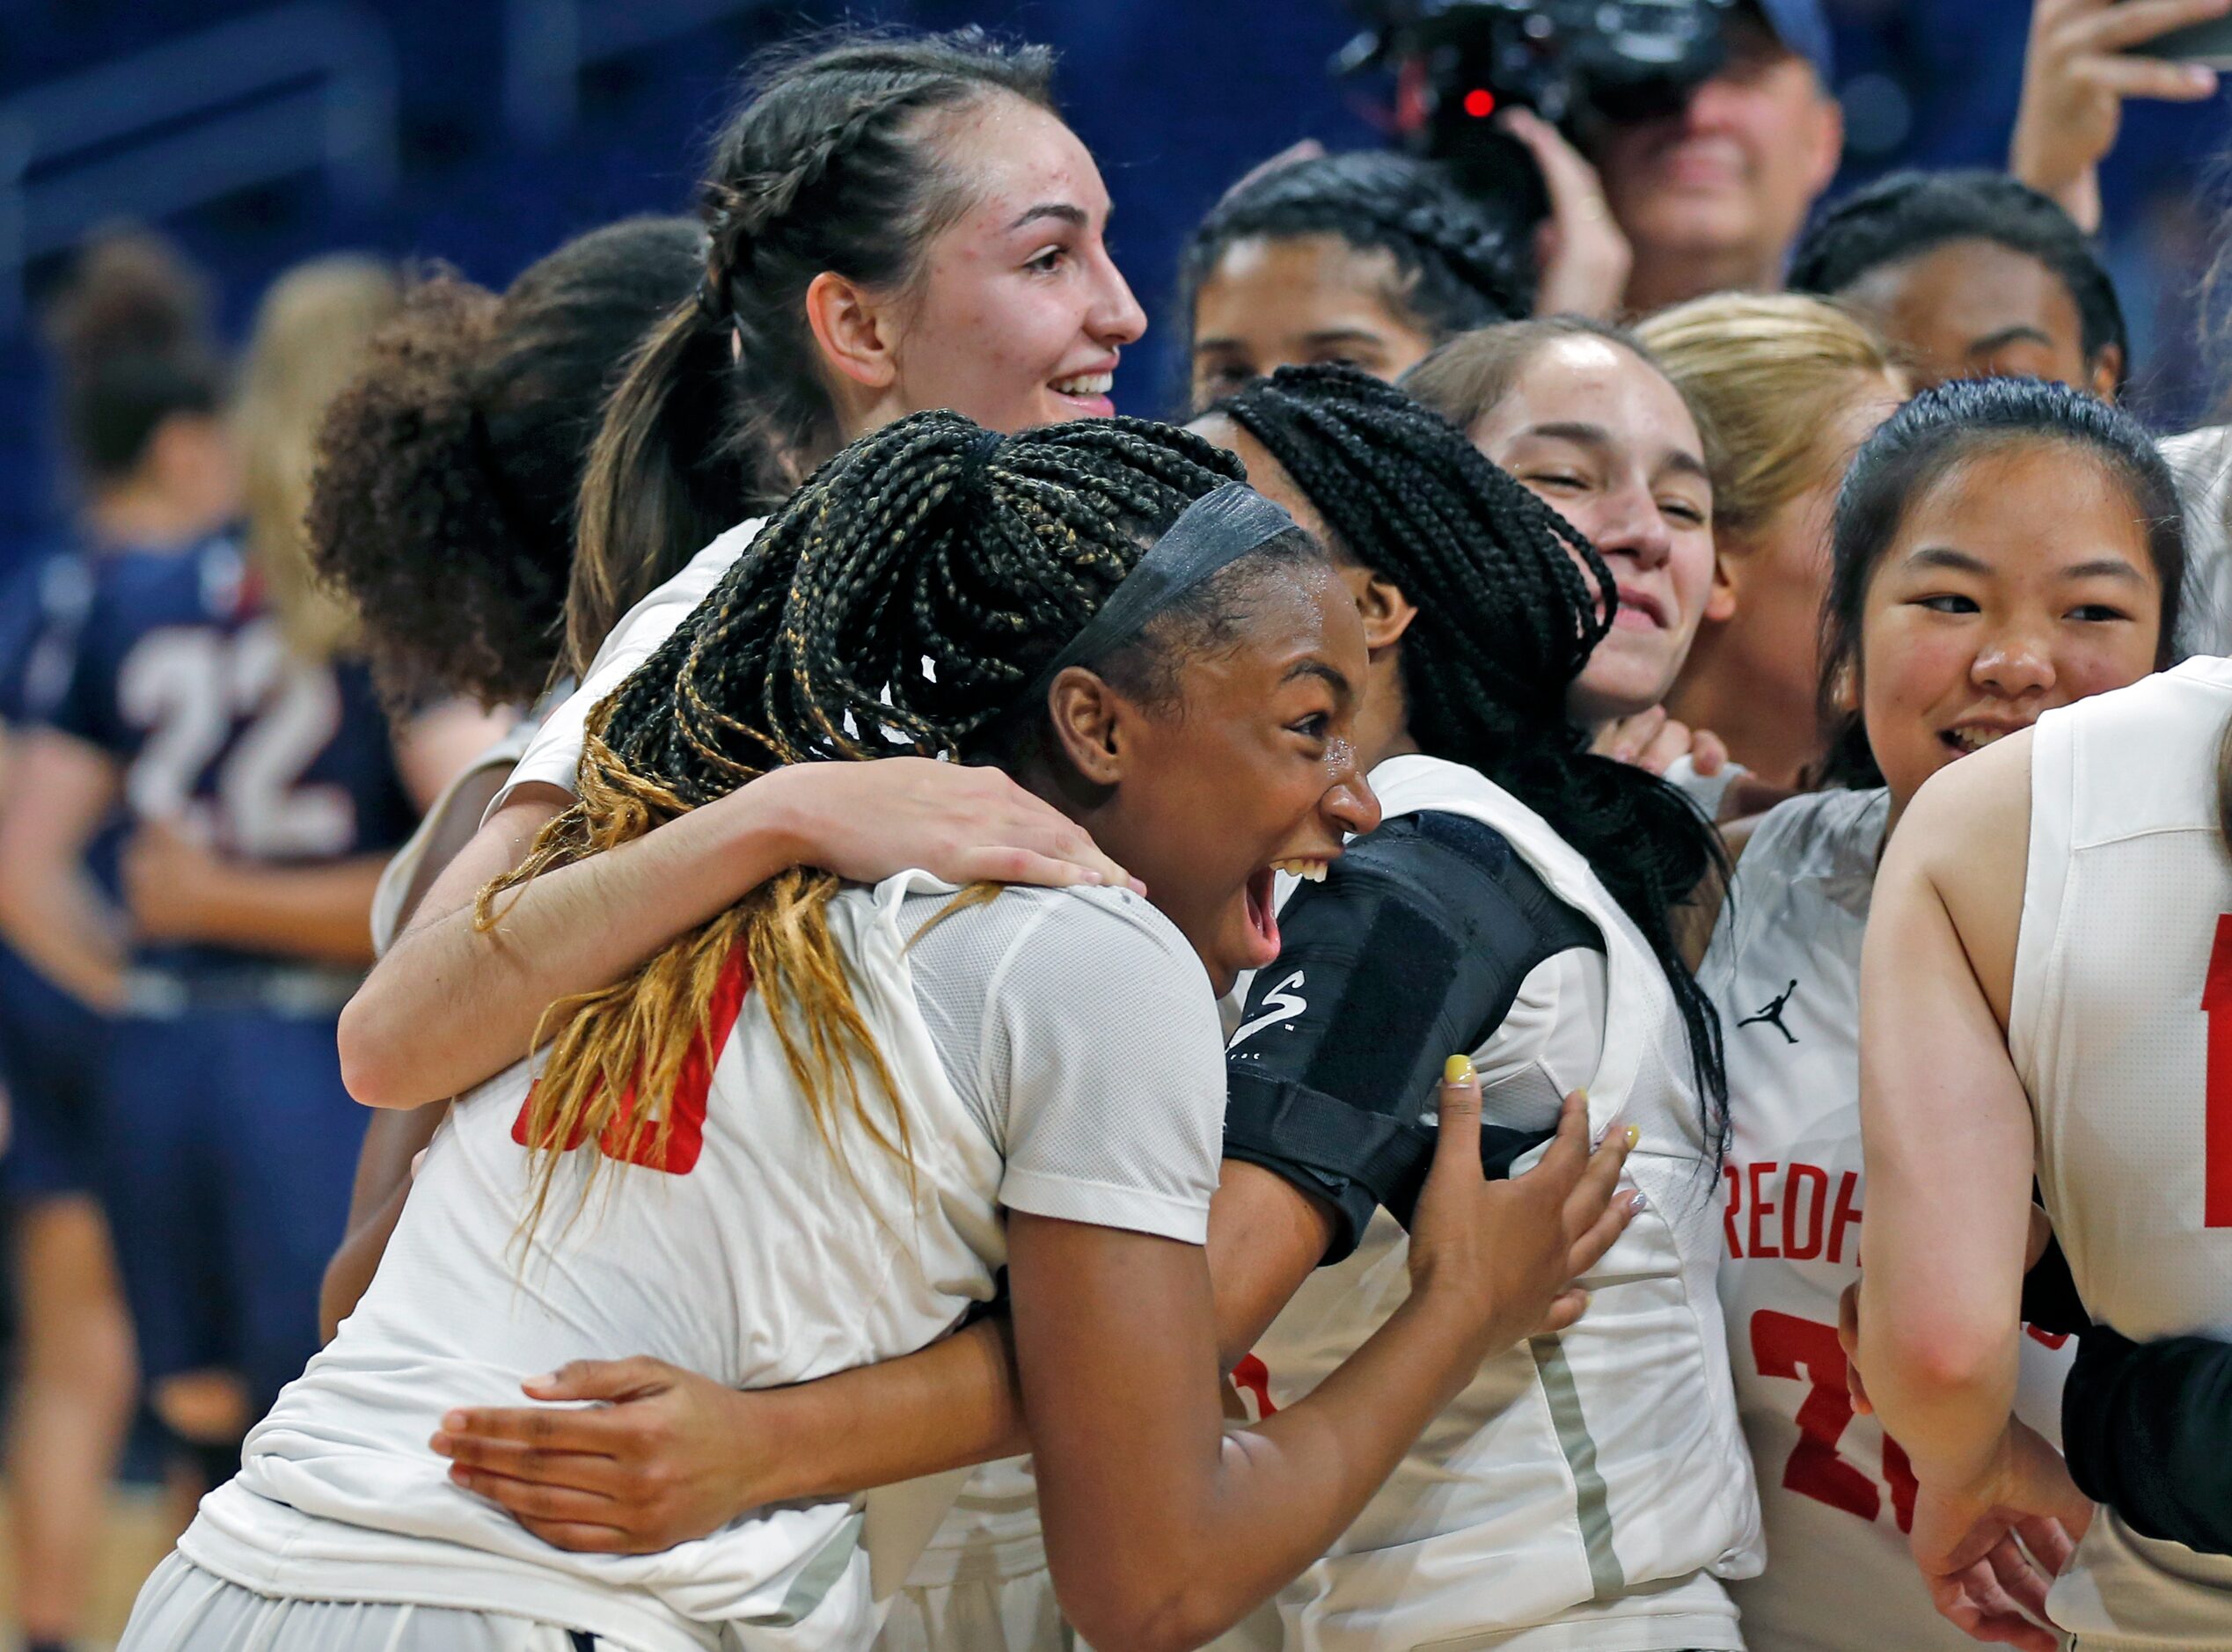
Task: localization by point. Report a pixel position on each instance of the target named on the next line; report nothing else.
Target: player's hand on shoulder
(1508, 1252)
(869, 821)
(665, 1459)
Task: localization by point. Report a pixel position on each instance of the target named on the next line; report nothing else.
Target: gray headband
(1211, 534)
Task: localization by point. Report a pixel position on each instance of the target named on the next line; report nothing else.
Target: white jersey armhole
(554, 757)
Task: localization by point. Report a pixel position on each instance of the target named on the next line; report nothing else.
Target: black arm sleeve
(2148, 1430)
(2050, 1299)
(1415, 946)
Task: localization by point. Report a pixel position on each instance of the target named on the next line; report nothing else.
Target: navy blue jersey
(180, 673)
(50, 1044)
(42, 605)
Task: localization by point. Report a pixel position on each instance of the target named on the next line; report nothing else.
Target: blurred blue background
(483, 132)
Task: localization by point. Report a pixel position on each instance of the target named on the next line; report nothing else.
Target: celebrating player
(1583, 416)
(1369, 258)
(1472, 919)
(854, 1084)
(2002, 547)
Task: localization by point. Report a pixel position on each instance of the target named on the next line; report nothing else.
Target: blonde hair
(309, 341)
(1766, 374)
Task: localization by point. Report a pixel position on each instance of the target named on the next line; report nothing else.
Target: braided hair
(1909, 213)
(830, 166)
(1506, 620)
(1455, 269)
(902, 602)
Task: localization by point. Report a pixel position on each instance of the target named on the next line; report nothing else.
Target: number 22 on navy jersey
(223, 731)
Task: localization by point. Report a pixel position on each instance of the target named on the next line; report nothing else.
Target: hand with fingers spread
(1652, 740)
(867, 820)
(661, 1456)
(1582, 254)
(2084, 58)
(1508, 1253)
(1990, 1553)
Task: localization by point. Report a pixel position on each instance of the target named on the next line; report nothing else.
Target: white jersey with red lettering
(1587, 1492)
(1838, 1496)
(2120, 1025)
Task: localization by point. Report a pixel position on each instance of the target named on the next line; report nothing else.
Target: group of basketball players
(814, 1202)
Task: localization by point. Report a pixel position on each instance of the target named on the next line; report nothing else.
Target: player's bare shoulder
(1967, 836)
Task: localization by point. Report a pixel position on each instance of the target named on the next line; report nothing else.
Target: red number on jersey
(622, 1140)
(2216, 1157)
(1251, 1376)
(1783, 1345)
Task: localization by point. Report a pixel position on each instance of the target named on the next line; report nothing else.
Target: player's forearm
(952, 1405)
(1945, 1399)
(319, 913)
(1265, 1238)
(63, 928)
(453, 1003)
(349, 1274)
(1278, 1494)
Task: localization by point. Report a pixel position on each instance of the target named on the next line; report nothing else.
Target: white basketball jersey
(750, 1254)
(1587, 1490)
(2120, 1025)
(1837, 1495)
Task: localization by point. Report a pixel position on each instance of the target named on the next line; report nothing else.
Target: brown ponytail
(725, 407)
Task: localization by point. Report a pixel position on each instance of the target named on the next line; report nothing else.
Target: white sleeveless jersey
(1587, 1490)
(2120, 1025)
(750, 1254)
(1837, 1496)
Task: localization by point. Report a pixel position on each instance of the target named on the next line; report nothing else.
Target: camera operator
(1705, 199)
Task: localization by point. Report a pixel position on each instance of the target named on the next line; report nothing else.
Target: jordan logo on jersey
(1771, 1013)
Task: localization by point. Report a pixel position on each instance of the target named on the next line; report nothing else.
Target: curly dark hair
(1506, 620)
(1454, 270)
(1909, 213)
(442, 504)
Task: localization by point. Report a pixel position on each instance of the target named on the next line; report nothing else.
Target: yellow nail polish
(1633, 1136)
(1457, 1070)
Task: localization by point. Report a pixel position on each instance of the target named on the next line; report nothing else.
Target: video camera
(1577, 63)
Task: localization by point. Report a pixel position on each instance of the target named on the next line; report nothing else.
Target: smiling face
(1973, 309)
(2018, 581)
(1017, 315)
(1290, 300)
(1599, 435)
(1731, 177)
(1250, 762)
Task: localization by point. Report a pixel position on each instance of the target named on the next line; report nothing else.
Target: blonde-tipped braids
(899, 603)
